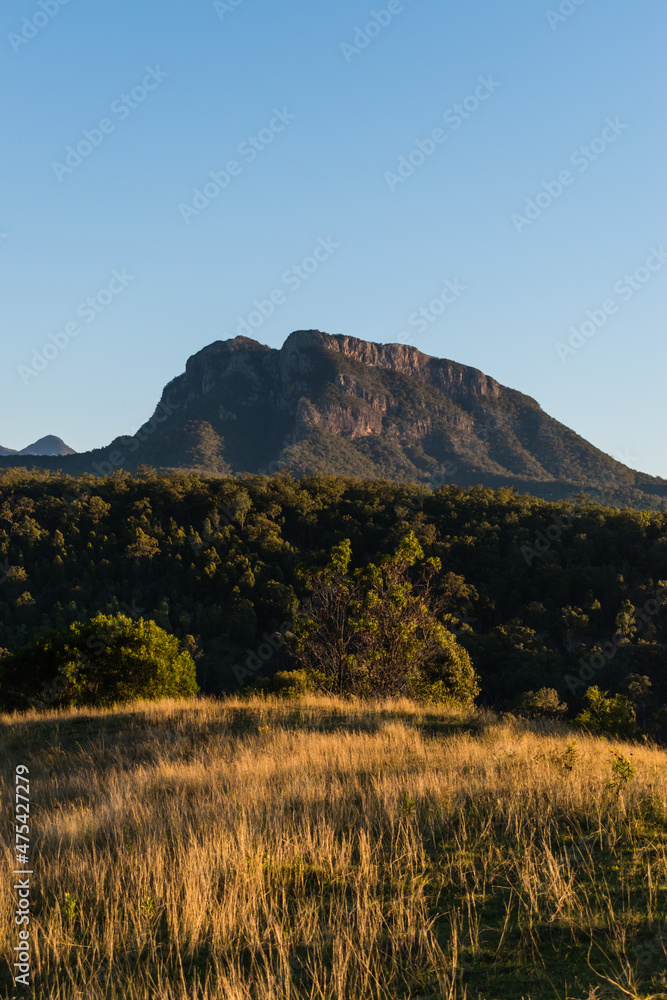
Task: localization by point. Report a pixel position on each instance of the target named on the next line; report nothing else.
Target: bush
(453, 672)
(288, 683)
(608, 716)
(380, 630)
(437, 693)
(542, 704)
(292, 683)
(102, 662)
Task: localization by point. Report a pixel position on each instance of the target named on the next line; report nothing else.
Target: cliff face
(446, 375)
(337, 404)
(328, 385)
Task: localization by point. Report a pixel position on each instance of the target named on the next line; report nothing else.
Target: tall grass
(267, 850)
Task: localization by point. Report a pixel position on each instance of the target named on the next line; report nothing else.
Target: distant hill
(49, 445)
(336, 404)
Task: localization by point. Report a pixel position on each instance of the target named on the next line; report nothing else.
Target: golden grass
(330, 850)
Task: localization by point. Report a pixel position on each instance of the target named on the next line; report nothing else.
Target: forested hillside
(561, 595)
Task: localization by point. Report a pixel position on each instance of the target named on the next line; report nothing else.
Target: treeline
(560, 595)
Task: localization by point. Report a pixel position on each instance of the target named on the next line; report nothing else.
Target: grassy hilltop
(265, 849)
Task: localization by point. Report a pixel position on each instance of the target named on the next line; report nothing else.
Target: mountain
(326, 404)
(49, 445)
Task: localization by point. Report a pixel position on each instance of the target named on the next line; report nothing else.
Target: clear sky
(305, 111)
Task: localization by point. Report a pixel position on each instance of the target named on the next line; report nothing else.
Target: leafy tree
(626, 621)
(143, 546)
(608, 716)
(542, 704)
(323, 637)
(640, 691)
(205, 447)
(511, 657)
(216, 558)
(375, 631)
(104, 661)
(287, 683)
(572, 624)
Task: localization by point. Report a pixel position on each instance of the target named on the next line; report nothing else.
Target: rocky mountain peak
(336, 404)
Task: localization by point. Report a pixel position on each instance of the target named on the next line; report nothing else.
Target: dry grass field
(333, 850)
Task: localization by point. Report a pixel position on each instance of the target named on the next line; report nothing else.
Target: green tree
(205, 448)
(511, 658)
(572, 624)
(626, 621)
(143, 546)
(640, 691)
(542, 704)
(107, 660)
(377, 631)
(608, 716)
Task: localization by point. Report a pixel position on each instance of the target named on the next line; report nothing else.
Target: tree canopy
(105, 661)
(564, 595)
(378, 630)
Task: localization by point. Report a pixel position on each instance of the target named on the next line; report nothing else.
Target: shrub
(608, 716)
(104, 661)
(622, 772)
(567, 759)
(288, 683)
(542, 704)
(292, 683)
(380, 630)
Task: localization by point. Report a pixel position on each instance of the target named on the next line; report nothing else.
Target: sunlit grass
(328, 849)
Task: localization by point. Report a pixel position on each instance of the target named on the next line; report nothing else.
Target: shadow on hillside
(30, 734)
(246, 721)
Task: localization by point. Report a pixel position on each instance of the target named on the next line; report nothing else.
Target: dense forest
(564, 595)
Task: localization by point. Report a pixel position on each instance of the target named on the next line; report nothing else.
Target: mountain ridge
(335, 404)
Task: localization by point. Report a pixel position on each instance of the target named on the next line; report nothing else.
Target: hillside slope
(265, 849)
(49, 445)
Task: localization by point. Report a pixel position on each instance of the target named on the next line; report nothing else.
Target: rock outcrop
(335, 404)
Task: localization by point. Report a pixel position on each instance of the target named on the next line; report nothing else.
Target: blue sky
(113, 271)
